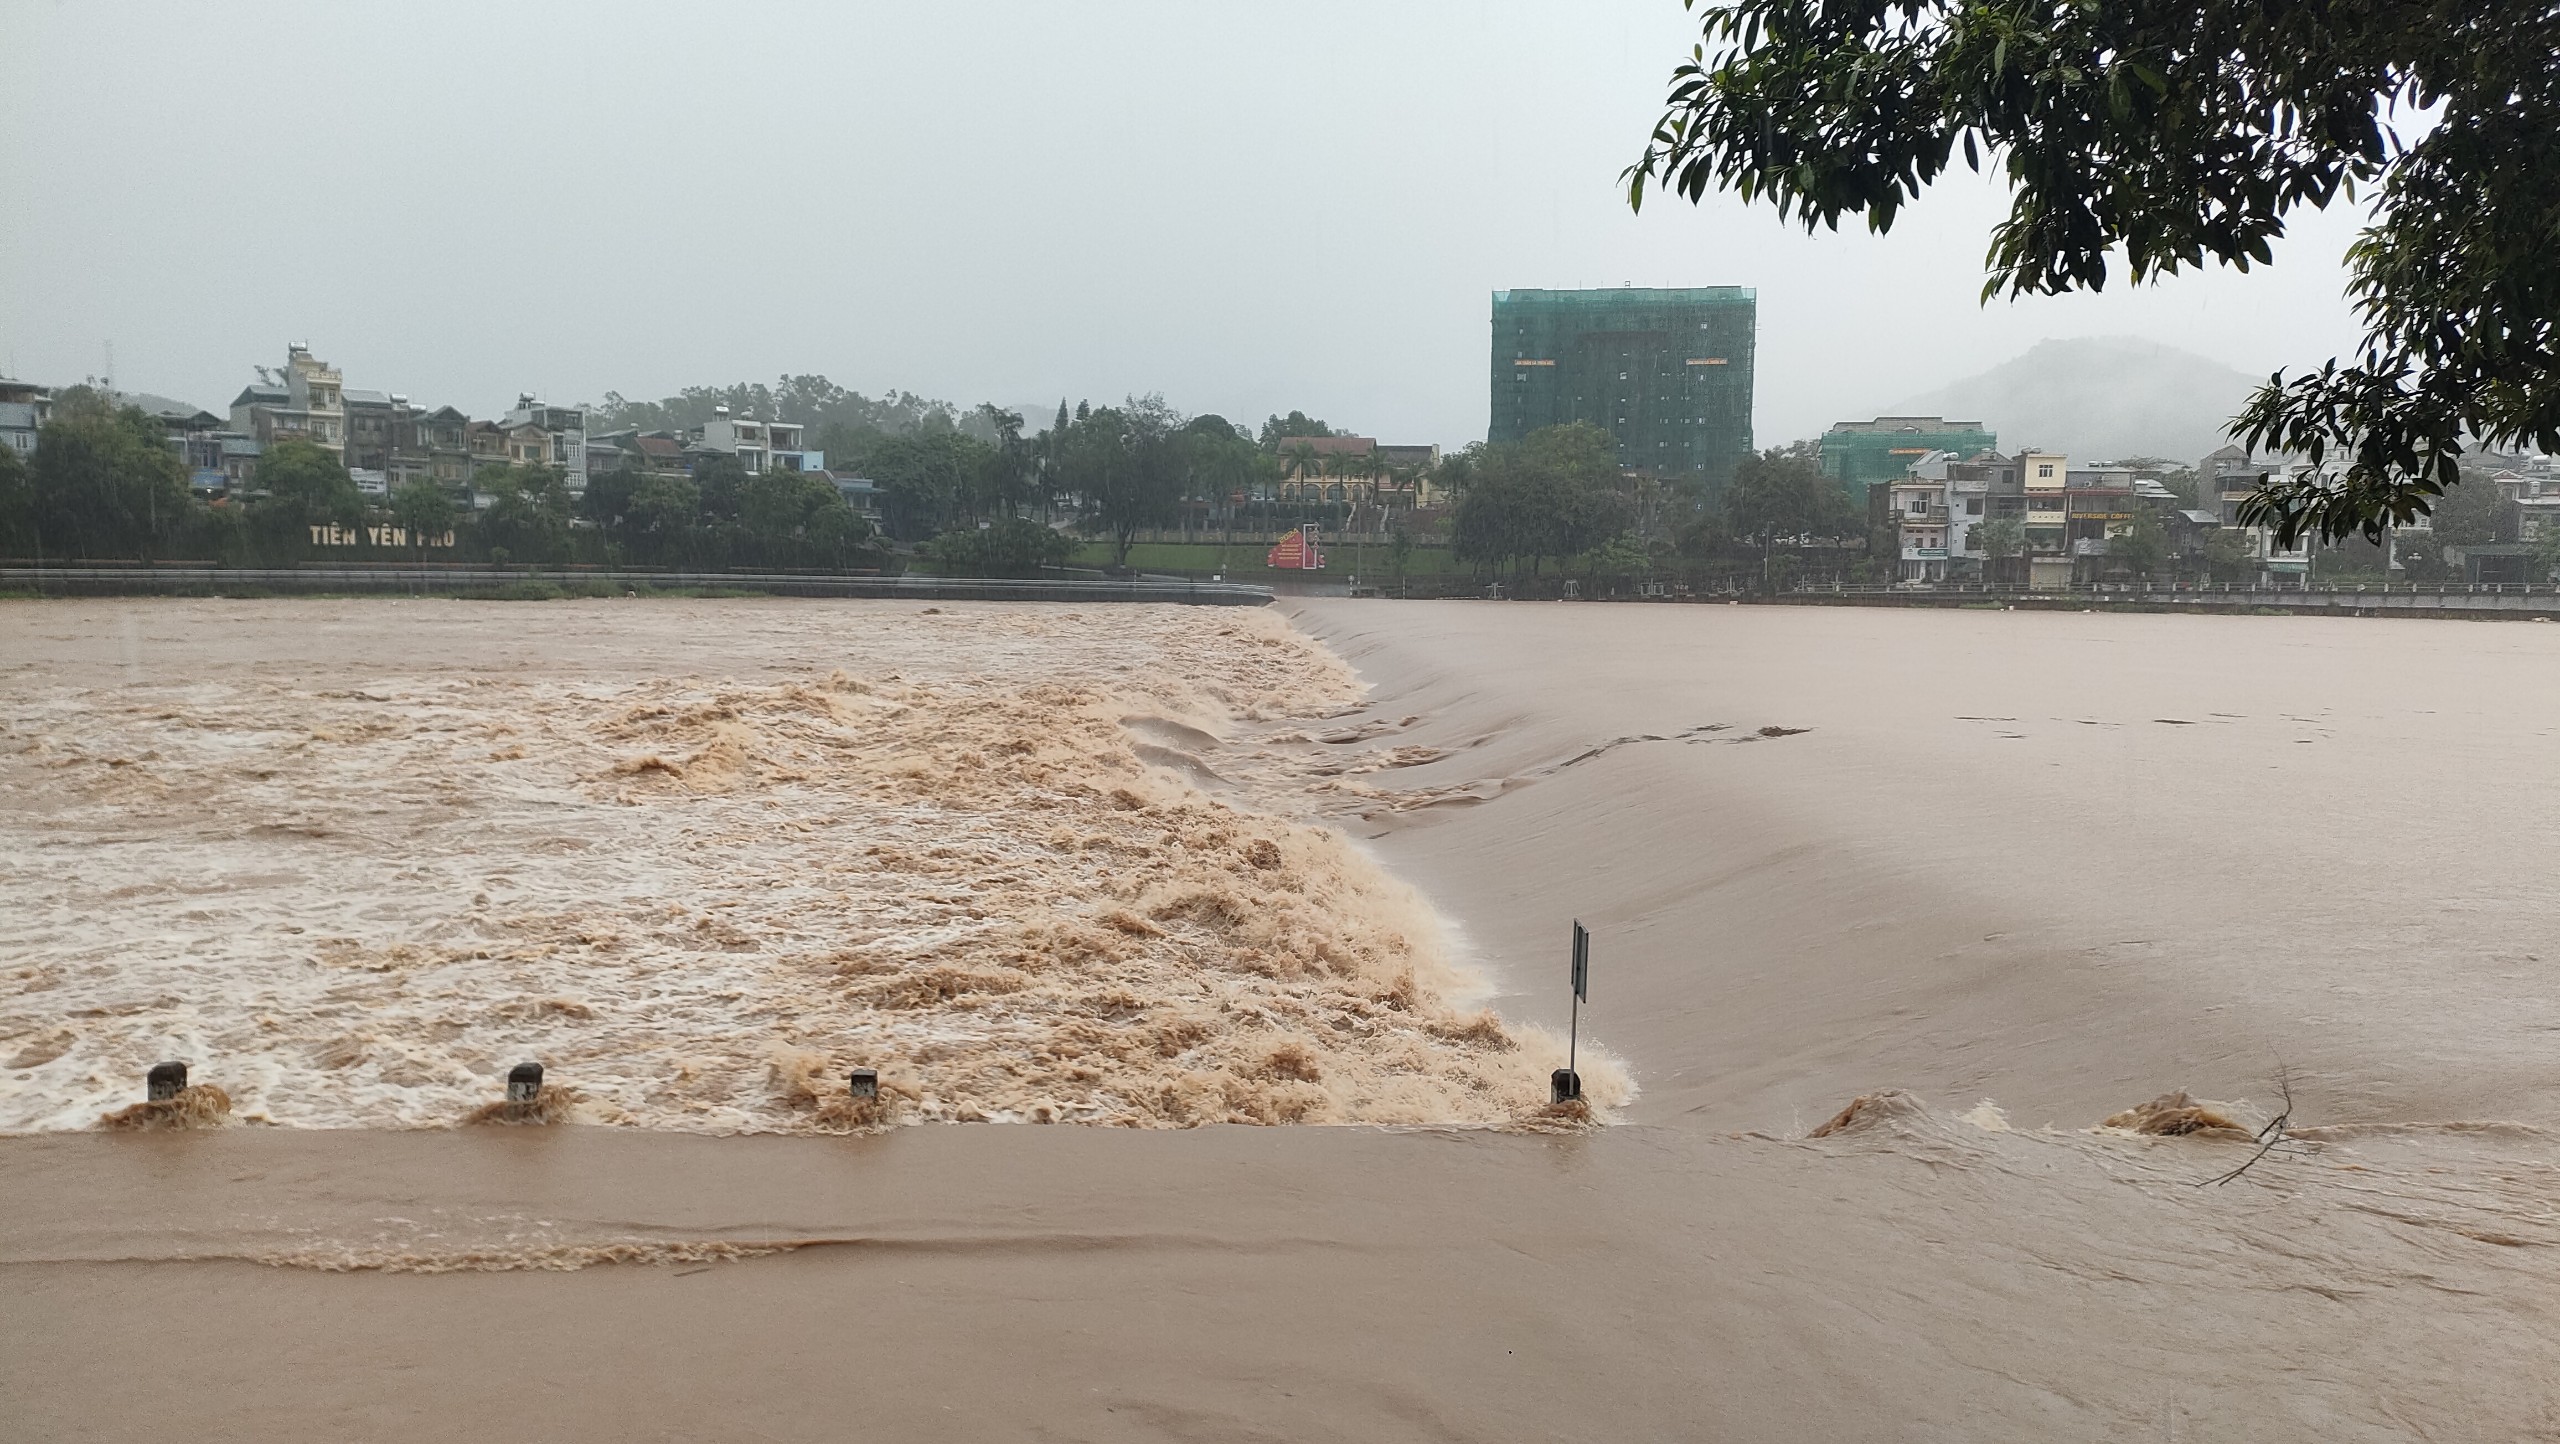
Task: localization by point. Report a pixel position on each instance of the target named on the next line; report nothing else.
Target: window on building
(2044, 469)
(1973, 506)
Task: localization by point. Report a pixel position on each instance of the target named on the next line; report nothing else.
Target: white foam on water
(356, 893)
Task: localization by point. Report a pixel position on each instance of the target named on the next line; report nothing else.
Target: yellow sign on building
(330, 534)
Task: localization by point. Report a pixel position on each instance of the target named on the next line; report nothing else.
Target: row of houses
(1943, 506)
(2528, 520)
(24, 409)
(386, 441)
(2069, 521)
(758, 444)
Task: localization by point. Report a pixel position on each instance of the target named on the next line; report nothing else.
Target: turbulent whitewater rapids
(986, 850)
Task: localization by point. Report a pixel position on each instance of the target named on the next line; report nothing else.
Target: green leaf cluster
(2158, 135)
(813, 401)
(1278, 428)
(102, 483)
(724, 515)
(298, 485)
(1556, 493)
(1009, 546)
(527, 516)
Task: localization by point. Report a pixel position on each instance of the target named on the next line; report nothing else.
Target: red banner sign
(1296, 552)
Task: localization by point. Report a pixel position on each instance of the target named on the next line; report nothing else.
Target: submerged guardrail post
(524, 1083)
(865, 1082)
(165, 1081)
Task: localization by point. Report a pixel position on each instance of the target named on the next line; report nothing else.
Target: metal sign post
(1566, 1084)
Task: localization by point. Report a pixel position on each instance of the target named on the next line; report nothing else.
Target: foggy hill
(156, 404)
(2099, 398)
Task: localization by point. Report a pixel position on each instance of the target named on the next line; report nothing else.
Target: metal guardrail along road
(2374, 599)
(141, 580)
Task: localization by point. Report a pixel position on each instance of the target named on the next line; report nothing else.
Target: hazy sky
(1248, 208)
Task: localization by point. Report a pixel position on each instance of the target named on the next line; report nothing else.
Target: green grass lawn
(1245, 560)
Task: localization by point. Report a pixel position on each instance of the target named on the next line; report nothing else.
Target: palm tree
(1337, 464)
(1361, 469)
(1301, 461)
(1401, 479)
(1371, 469)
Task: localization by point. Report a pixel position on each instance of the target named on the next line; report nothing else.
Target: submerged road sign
(1566, 1083)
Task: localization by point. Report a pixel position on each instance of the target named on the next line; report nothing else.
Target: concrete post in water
(165, 1081)
(1564, 1085)
(524, 1083)
(866, 1082)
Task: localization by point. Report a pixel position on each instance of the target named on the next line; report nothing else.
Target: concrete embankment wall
(2514, 603)
(76, 581)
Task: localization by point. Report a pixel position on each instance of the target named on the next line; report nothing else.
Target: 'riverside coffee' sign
(330, 534)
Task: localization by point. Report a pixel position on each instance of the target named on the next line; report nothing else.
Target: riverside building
(1859, 453)
(1667, 373)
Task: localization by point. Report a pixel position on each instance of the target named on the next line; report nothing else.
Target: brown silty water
(981, 849)
(1958, 955)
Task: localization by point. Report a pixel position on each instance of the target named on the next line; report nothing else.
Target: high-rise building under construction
(1666, 373)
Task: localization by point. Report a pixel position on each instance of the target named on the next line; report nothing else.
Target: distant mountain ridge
(2099, 398)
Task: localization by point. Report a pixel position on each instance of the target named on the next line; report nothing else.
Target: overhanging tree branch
(2160, 136)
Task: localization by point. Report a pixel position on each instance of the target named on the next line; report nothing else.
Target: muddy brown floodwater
(1993, 877)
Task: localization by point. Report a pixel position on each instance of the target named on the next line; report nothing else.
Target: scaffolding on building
(1666, 373)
